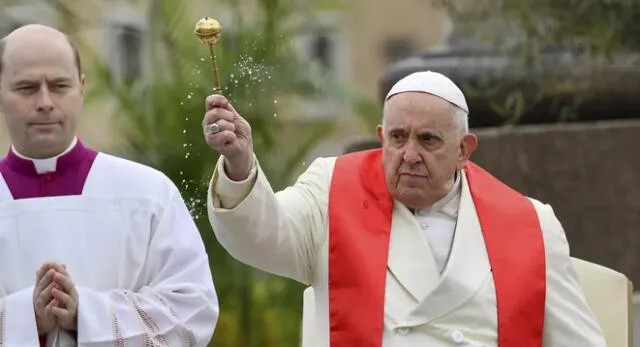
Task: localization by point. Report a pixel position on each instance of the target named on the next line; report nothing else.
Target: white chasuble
(128, 242)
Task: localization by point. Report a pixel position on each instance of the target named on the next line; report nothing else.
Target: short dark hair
(74, 48)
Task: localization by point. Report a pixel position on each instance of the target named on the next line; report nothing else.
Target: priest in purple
(94, 250)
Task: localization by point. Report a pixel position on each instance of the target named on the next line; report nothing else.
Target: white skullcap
(431, 83)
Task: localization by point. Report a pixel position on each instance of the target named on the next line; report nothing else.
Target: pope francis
(409, 245)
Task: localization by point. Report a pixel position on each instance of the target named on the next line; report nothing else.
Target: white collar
(449, 204)
(47, 164)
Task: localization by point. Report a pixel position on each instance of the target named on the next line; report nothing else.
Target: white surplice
(132, 250)
(286, 234)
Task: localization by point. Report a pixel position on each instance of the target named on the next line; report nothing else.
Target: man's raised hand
(230, 135)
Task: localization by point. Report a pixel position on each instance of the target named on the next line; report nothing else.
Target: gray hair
(461, 118)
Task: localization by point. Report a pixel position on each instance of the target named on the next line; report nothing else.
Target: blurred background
(553, 88)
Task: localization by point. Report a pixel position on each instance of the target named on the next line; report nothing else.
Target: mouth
(45, 127)
(44, 124)
(412, 175)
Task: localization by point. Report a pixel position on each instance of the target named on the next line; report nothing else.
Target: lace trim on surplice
(2, 318)
(152, 336)
(116, 327)
(187, 334)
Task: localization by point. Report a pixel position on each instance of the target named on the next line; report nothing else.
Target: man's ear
(83, 84)
(468, 144)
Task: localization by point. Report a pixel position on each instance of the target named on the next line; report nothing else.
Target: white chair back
(610, 297)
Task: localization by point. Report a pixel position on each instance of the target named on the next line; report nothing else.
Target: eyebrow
(61, 80)
(397, 129)
(421, 131)
(26, 81)
(430, 132)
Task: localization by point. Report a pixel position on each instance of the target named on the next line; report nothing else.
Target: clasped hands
(55, 299)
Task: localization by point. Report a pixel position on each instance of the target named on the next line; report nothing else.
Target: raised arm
(177, 304)
(279, 233)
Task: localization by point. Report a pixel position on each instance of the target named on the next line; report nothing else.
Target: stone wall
(589, 173)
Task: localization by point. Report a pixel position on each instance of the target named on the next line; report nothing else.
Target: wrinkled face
(41, 96)
(422, 148)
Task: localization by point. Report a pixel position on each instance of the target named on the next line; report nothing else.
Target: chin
(46, 140)
(410, 199)
(48, 144)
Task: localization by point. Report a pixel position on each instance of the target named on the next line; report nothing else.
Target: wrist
(42, 331)
(238, 168)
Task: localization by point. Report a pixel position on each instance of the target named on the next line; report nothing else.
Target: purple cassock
(71, 171)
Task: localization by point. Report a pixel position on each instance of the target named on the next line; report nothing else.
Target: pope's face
(422, 148)
(41, 95)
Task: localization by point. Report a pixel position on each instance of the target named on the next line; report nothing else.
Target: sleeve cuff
(231, 193)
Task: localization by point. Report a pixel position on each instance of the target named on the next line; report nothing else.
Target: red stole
(360, 212)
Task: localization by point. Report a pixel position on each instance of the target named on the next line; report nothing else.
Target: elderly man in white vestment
(95, 250)
(408, 245)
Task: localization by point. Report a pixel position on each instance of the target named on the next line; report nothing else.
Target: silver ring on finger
(214, 128)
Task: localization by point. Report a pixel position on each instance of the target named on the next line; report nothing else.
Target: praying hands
(55, 299)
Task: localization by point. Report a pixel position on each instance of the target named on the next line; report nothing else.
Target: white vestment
(132, 250)
(286, 234)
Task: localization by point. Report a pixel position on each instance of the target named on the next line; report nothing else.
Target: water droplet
(184, 131)
(275, 115)
(275, 101)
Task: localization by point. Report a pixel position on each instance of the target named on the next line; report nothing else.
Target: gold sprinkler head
(208, 30)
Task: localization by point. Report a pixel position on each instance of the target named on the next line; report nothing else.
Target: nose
(411, 155)
(45, 104)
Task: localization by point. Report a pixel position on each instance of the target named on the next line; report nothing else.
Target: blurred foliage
(162, 114)
(369, 113)
(601, 27)
(567, 59)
